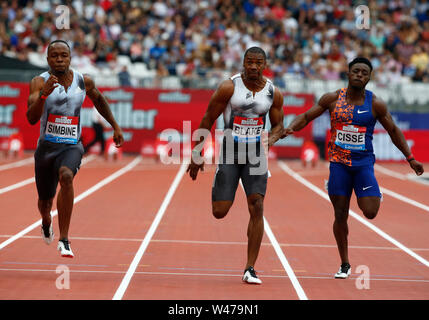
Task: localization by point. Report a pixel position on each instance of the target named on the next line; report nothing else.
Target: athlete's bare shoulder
(36, 83)
(328, 99)
(379, 106)
(225, 88)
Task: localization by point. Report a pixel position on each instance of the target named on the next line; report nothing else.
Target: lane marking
(282, 258)
(16, 164)
(32, 179)
(389, 172)
(303, 245)
(377, 230)
(80, 197)
(17, 185)
(209, 274)
(133, 266)
(404, 199)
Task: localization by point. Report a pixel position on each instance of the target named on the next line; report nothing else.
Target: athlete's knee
(220, 210)
(65, 177)
(256, 205)
(370, 214)
(341, 215)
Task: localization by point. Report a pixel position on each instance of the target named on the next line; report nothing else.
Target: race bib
(247, 129)
(62, 129)
(350, 137)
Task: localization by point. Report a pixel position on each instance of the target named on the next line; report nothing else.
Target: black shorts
(48, 159)
(228, 176)
(250, 166)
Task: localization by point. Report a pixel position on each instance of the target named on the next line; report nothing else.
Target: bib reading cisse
(350, 137)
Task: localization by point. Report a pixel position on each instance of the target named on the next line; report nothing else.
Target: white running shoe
(65, 249)
(344, 272)
(48, 236)
(250, 276)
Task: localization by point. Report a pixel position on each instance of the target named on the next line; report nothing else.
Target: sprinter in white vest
(56, 98)
(245, 100)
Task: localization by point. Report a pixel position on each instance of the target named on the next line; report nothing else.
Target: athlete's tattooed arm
(103, 108)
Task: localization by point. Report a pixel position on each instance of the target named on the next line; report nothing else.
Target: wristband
(410, 157)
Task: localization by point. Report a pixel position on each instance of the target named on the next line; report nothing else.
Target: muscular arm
(35, 103)
(103, 108)
(396, 135)
(217, 105)
(99, 101)
(305, 118)
(276, 118)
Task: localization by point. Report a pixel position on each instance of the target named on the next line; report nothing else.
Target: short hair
(256, 50)
(360, 60)
(58, 41)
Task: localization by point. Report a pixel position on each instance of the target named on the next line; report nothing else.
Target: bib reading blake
(62, 129)
(247, 129)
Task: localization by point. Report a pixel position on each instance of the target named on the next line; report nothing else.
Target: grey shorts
(48, 159)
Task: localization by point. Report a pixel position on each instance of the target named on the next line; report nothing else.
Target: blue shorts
(344, 179)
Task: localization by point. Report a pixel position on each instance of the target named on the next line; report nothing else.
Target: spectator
(210, 34)
(124, 77)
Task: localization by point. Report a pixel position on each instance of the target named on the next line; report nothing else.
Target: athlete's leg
(65, 200)
(367, 191)
(254, 177)
(221, 208)
(369, 206)
(46, 183)
(341, 206)
(68, 163)
(224, 187)
(255, 229)
(340, 187)
(45, 207)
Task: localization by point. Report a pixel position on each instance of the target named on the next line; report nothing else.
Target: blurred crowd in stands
(311, 39)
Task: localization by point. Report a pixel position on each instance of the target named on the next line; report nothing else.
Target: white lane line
(193, 274)
(227, 243)
(409, 176)
(80, 197)
(402, 177)
(282, 258)
(377, 230)
(16, 164)
(405, 199)
(134, 264)
(17, 185)
(390, 172)
(32, 179)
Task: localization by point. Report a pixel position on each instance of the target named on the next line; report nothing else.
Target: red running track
(191, 255)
